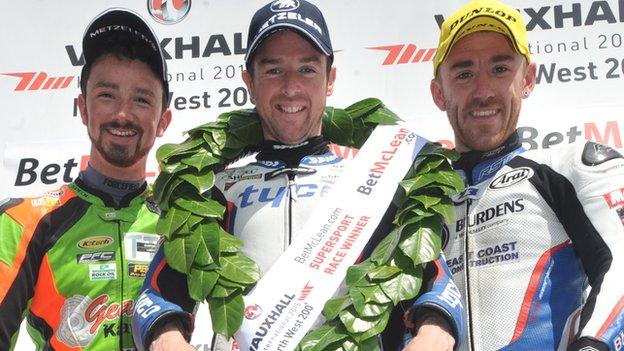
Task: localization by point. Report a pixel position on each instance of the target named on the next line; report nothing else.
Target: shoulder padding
(8, 203)
(595, 154)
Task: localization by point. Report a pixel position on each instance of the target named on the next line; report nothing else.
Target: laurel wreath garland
(195, 243)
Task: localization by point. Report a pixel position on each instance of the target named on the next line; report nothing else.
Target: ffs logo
(168, 11)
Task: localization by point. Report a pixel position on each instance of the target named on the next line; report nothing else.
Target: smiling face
(481, 85)
(290, 84)
(123, 113)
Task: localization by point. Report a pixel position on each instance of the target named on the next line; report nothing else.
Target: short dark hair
(122, 46)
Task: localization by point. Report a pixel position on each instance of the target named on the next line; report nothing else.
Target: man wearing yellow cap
(538, 243)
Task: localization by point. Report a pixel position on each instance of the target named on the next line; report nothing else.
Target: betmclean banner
(382, 49)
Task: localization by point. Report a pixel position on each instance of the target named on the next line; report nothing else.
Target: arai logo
(512, 177)
(95, 242)
(284, 5)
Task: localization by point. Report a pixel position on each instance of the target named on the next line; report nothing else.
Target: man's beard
(116, 154)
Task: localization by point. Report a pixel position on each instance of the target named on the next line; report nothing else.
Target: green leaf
(449, 178)
(355, 323)
(246, 128)
(383, 273)
(363, 107)
(437, 149)
(366, 338)
(373, 293)
(167, 150)
(422, 242)
(403, 286)
(228, 242)
(173, 219)
(200, 283)
(446, 209)
(419, 181)
(356, 275)
(366, 308)
(382, 252)
(180, 252)
(321, 338)
(208, 246)
(239, 268)
(206, 208)
(201, 181)
(226, 314)
(214, 148)
(219, 136)
(200, 160)
(335, 305)
(382, 116)
(429, 163)
(224, 291)
(337, 126)
(426, 200)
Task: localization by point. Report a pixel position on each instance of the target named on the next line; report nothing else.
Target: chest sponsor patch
(95, 242)
(140, 246)
(615, 198)
(106, 271)
(137, 270)
(102, 256)
(512, 177)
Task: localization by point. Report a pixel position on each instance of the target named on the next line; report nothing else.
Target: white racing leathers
(537, 248)
(267, 203)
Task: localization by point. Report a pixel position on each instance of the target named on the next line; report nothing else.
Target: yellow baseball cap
(479, 15)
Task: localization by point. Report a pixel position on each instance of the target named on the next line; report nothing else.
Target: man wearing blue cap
(289, 76)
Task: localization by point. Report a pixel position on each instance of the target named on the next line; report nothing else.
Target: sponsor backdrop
(383, 49)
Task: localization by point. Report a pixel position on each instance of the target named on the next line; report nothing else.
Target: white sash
(289, 298)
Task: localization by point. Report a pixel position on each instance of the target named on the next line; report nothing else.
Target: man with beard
(73, 260)
(538, 244)
(289, 76)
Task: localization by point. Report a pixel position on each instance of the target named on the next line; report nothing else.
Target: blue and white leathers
(537, 248)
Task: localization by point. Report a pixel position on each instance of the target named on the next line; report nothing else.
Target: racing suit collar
(113, 193)
(291, 154)
(471, 162)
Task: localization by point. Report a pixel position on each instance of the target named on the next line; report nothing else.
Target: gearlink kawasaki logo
(168, 11)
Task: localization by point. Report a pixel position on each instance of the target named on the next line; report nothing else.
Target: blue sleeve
(164, 297)
(442, 296)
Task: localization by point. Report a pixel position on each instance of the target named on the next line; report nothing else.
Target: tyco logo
(402, 53)
(95, 242)
(168, 11)
(39, 81)
(284, 5)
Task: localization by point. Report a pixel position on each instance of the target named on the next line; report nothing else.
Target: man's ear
(437, 94)
(529, 79)
(164, 122)
(82, 107)
(248, 79)
(330, 81)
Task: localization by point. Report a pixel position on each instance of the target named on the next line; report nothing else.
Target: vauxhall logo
(582, 13)
(186, 47)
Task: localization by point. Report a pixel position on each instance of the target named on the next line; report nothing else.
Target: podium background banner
(383, 49)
